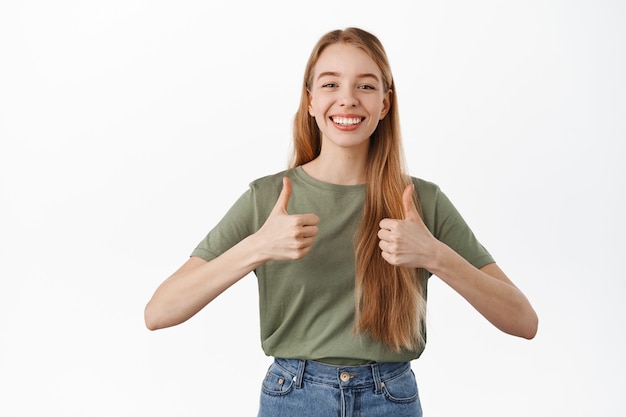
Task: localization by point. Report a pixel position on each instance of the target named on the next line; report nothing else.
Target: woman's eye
(366, 87)
(329, 85)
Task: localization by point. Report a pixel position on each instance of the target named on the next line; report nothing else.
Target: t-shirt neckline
(338, 188)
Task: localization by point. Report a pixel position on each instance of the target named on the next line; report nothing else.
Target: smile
(347, 121)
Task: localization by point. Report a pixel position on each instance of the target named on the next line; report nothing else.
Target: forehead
(345, 59)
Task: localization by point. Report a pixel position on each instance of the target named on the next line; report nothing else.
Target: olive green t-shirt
(307, 306)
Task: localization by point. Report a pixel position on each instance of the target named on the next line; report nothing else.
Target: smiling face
(347, 96)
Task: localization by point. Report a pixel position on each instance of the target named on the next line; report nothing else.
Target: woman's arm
(489, 291)
(409, 243)
(197, 282)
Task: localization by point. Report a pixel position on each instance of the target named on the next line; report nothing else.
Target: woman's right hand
(287, 236)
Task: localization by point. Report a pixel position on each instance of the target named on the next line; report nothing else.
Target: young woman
(342, 245)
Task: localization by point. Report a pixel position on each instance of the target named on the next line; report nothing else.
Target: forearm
(489, 291)
(198, 282)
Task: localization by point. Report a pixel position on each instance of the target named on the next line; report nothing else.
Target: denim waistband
(342, 376)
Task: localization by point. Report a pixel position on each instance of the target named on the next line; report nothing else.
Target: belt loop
(300, 374)
(378, 388)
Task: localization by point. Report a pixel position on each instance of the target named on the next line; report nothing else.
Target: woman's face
(347, 96)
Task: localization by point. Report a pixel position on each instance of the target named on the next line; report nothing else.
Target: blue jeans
(295, 387)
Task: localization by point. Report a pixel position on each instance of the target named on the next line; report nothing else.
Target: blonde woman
(343, 244)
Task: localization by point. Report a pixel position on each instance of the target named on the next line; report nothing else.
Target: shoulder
(265, 190)
(270, 181)
(426, 190)
(434, 202)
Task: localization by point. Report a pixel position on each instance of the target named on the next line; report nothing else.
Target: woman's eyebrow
(337, 74)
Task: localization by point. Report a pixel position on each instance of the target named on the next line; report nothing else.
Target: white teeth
(347, 121)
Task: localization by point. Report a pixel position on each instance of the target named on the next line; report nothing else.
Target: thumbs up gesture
(407, 242)
(287, 236)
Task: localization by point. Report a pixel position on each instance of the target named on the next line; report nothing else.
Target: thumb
(283, 198)
(410, 211)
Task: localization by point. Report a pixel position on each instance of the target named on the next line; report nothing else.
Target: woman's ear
(386, 104)
(308, 93)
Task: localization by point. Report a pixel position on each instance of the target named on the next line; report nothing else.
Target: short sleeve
(236, 225)
(244, 218)
(448, 226)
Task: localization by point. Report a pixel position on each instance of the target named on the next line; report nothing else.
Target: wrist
(256, 250)
(441, 258)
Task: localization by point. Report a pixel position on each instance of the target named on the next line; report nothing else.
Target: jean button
(345, 377)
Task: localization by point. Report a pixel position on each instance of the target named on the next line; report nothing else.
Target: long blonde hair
(390, 300)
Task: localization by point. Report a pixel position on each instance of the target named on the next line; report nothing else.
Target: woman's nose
(348, 99)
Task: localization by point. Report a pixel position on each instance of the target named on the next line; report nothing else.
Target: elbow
(151, 318)
(151, 325)
(159, 317)
(533, 327)
(530, 325)
(528, 321)
(522, 323)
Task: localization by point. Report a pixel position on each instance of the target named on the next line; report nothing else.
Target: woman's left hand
(407, 242)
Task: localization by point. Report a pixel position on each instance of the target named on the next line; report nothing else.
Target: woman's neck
(341, 166)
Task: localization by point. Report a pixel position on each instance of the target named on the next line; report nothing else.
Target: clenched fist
(288, 236)
(407, 242)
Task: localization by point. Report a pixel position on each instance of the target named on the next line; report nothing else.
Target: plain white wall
(127, 128)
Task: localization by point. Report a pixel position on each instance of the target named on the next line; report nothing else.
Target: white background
(128, 128)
